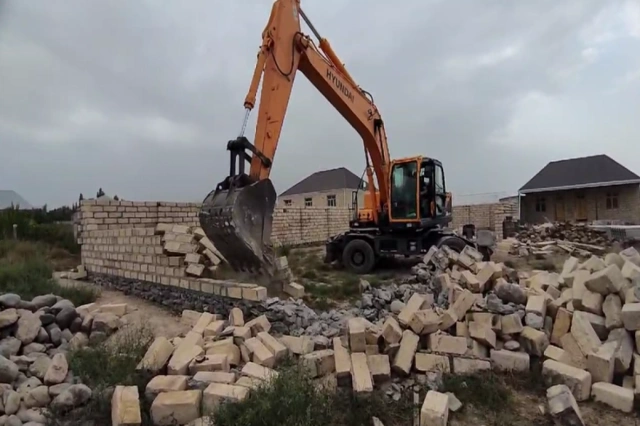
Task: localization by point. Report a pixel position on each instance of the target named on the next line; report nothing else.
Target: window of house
(287, 202)
(308, 202)
(541, 204)
(331, 200)
(612, 200)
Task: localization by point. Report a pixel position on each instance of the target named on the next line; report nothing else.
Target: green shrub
(295, 399)
(102, 367)
(32, 278)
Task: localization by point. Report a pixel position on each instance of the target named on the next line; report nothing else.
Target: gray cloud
(140, 99)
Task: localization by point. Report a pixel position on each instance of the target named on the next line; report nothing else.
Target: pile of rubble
(34, 338)
(582, 240)
(200, 255)
(581, 323)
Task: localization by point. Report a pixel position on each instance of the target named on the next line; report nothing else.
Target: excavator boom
(237, 215)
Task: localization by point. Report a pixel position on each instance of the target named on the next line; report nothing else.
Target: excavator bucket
(238, 222)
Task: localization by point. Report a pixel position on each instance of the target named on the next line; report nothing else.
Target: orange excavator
(406, 207)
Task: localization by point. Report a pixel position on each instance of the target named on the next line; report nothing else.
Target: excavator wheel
(358, 256)
(237, 219)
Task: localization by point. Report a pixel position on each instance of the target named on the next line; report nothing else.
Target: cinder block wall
(291, 226)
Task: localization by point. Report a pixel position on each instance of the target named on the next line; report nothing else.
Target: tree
(100, 193)
(81, 197)
(115, 198)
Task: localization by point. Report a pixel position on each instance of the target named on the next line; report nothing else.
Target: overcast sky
(140, 97)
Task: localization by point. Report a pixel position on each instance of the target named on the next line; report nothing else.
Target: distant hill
(8, 198)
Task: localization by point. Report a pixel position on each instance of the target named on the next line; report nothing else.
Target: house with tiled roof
(581, 190)
(327, 188)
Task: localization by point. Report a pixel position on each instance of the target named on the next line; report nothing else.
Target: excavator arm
(237, 215)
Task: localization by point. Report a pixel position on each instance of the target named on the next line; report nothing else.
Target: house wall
(319, 199)
(566, 205)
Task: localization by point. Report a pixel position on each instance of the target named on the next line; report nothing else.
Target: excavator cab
(418, 194)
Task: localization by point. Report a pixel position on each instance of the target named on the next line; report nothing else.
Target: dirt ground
(159, 320)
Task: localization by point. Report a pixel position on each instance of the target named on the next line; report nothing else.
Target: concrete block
(125, 406)
(563, 406)
(357, 341)
(470, 365)
(482, 333)
(260, 372)
(536, 305)
(570, 265)
(157, 355)
(425, 321)
(165, 384)
(593, 264)
(391, 331)
(612, 308)
(557, 354)
(511, 324)
(415, 303)
(534, 341)
(236, 317)
(179, 407)
(435, 409)
(578, 288)
(605, 281)
(217, 362)
(278, 350)
(631, 316)
(431, 362)
(443, 343)
(215, 377)
(260, 354)
(294, 290)
(585, 335)
(183, 355)
(570, 345)
(614, 396)
(630, 271)
(623, 351)
(342, 360)
(298, 345)
(592, 302)
(225, 347)
(259, 324)
(577, 380)
(203, 321)
(380, 367)
(463, 302)
(319, 363)
(471, 282)
(361, 375)
(216, 393)
(561, 325)
(504, 360)
(601, 363)
(403, 360)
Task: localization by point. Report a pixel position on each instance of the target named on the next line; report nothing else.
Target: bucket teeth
(238, 223)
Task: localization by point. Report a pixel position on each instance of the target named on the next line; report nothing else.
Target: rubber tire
(351, 248)
(456, 244)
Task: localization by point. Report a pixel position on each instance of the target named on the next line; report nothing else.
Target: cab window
(404, 202)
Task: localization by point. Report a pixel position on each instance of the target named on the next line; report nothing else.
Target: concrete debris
(35, 337)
